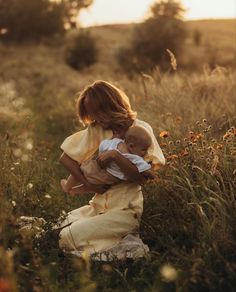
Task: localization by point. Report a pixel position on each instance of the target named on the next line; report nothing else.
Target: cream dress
(110, 222)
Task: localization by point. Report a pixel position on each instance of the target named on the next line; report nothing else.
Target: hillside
(216, 35)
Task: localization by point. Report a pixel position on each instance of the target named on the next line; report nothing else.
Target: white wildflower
(13, 203)
(17, 152)
(29, 186)
(168, 273)
(29, 144)
(47, 196)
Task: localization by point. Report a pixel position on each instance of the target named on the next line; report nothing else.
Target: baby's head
(138, 140)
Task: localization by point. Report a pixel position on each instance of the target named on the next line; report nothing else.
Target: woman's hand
(105, 158)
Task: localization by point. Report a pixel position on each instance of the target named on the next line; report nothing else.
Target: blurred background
(176, 61)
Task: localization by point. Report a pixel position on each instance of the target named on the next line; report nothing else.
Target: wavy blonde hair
(112, 103)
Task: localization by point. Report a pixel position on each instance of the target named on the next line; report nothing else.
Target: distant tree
(163, 30)
(71, 10)
(197, 37)
(32, 19)
(81, 50)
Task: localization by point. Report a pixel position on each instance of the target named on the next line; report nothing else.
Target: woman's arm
(129, 169)
(73, 167)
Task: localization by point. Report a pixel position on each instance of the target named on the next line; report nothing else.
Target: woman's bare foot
(63, 185)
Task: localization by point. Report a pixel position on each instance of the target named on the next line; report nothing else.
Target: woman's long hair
(112, 103)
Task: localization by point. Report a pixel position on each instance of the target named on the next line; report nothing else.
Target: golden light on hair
(107, 104)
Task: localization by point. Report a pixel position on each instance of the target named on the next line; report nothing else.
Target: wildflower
(16, 163)
(199, 136)
(172, 157)
(29, 186)
(17, 152)
(197, 123)
(170, 142)
(47, 196)
(204, 121)
(226, 136)
(163, 145)
(177, 142)
(5, 285)
(168, 273)
(12, 168)
(164, 134)
(13, 203)
(184, 153)
(28, 145)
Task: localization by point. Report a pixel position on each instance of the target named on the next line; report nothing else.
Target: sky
(125, 11)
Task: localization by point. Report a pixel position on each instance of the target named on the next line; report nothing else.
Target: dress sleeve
(154, 154)
(83, 144)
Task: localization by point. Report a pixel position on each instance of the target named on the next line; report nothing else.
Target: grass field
(189, 212)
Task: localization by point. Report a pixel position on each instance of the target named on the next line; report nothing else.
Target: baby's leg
(79, 190)
(69, 183)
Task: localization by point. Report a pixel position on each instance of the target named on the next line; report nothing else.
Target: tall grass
(189, 210)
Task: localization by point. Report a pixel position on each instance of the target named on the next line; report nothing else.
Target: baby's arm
(126, 166)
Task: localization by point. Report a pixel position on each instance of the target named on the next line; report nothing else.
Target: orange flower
(164, 134)
(226, 136)
(184, 153)
(172, 157)
(5, 285)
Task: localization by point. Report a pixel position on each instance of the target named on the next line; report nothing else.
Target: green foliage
(81, 51)
(33, 19)
(151, 39)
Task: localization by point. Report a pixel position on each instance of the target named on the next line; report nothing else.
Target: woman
(113, 213)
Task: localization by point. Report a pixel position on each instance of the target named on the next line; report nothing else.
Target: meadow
(189, 211)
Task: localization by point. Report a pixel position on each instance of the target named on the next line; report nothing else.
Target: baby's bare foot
(63, 185)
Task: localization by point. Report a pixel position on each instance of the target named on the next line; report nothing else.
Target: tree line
(22, 20)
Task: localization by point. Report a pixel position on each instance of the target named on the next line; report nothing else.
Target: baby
(134, 147)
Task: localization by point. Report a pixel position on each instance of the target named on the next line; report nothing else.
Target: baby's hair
(113, 104)
(138, 135)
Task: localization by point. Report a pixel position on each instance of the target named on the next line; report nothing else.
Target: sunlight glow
(123, 11)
